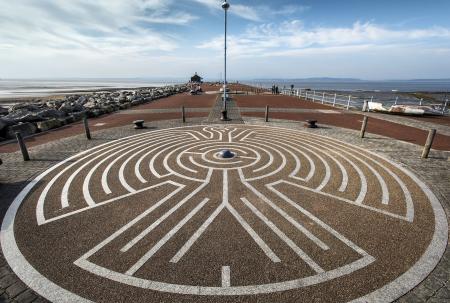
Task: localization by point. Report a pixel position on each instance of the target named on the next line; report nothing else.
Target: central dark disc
(226, 154)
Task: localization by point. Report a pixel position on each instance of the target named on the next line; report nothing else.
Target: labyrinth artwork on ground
(163, 213)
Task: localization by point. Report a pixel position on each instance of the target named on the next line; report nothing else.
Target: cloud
(104, 27)
(292, 38)
(256, 13)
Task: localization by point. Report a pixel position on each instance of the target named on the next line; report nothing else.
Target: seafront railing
(355, 102)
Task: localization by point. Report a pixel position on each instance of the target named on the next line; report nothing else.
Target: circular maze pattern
(163, 211)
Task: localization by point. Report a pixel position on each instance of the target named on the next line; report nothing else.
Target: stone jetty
(39, 116)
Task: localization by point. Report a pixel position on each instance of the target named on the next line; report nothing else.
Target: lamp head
(225, 5)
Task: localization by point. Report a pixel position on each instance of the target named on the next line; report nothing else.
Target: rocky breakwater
(39, 116)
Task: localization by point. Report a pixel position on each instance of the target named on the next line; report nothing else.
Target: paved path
(292, 217)
(233, 112)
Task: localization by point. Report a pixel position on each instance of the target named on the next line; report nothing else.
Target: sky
(374, 40)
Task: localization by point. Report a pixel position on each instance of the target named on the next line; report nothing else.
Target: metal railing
(354, 102)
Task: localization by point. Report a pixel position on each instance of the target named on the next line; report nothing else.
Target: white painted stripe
(338, 198)
(308, 260)
(104, 178)
(133, 269)
(260, 242)
(225, 187)
(196, 235)
(86, 192)
(318, 221)
(226, 276)
(285, 215)
(149, 229)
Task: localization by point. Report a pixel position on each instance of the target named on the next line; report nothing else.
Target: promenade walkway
(157, 215)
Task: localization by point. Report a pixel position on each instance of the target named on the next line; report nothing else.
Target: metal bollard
(365, 106)
(86, 128)
(444, 107)
(363, 127)
(23, 147)
(348, 102)
(429, 143)
(183, 114)
(267, 114)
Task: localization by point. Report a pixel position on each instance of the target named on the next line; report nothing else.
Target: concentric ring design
(307, 211)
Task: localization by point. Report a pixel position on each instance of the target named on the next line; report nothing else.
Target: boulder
(26, 129)
(51, 113)
(3, 111)
(25, 107)
(4, 124)
(48, 124)
(77, 116)
(23, 115)
(66, 120)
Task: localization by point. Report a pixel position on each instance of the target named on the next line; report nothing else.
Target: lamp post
(225, 6)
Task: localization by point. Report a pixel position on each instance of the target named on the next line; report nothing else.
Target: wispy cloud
(293, 38)
(101, 26)
(255, 13)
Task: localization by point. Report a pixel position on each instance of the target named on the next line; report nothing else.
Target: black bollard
(363, 126)
(23, 147)
(429, 143)
(267, 114)
(183, 114)
(86, 128)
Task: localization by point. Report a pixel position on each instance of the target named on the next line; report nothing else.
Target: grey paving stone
(443, 293)
(4, 271)
(26, 297)
(15, 289)
(437, 300)
(7, 281)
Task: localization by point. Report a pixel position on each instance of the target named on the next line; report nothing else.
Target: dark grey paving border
(14, 175)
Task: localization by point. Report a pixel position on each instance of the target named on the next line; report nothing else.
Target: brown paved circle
(161, 217)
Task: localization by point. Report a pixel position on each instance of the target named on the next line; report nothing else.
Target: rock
(77, 116)
(81, 100)
(26, 129)
(48, 124)
(23, 115)
(71, 107)
(4, 124)
(51, 113)
(3, 111)
(24, 106)
(66, 120)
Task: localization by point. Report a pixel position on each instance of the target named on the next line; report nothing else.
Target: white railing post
(334, 100)
(323, 97)
(444, 107)
(314, 96)
(371, 99)
(348, 102)
(396, 100)
(420, 103)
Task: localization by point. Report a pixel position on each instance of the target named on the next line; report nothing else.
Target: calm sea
(359, 85)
